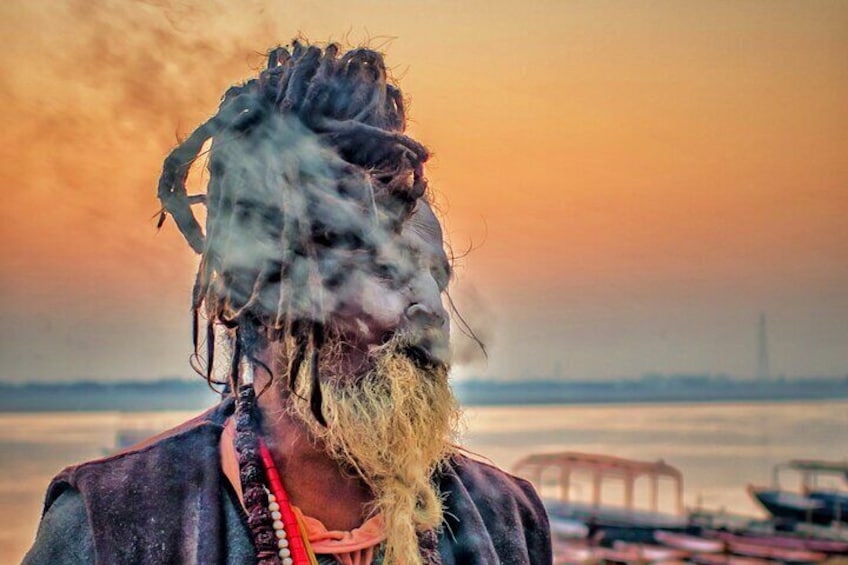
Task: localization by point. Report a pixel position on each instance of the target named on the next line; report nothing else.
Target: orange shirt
(354, 547)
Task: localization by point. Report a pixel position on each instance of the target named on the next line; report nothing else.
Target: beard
(393, 426)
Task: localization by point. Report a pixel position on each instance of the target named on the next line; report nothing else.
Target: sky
(627, 185)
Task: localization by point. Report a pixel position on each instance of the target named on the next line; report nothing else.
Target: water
(720, 448)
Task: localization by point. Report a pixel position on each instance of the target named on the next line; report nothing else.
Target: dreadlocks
(310, 174)
(267, 171)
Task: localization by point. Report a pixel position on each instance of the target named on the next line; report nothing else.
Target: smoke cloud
(91, 95)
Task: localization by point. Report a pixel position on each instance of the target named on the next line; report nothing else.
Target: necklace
(292, 549)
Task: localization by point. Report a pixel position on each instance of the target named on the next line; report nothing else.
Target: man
(323, 267)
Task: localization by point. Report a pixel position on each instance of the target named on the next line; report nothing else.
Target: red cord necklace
(292, 549)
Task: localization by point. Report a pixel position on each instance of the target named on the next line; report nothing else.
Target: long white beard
(393, 426)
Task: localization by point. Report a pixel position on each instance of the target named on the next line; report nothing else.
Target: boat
(784, 542)
(776, 553)
(835, 532)
(615, 530)
(694, 544)
(717, 559)
(574, 554)
(606, 522)
(813, 504)
(649, 552)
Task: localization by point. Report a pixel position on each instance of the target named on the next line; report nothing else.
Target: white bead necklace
(279, 529)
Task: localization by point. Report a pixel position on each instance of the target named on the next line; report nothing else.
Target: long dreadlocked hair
(307, 102)
(346, 103)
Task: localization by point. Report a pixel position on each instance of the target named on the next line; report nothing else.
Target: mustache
(427, 348)
(421, 357)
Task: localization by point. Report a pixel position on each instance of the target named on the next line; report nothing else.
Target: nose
(423, 314)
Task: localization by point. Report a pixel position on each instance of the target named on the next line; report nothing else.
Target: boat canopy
(818, 465)
(601, 467)
(810, 469)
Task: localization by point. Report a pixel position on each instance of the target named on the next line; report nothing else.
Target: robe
(167, 501)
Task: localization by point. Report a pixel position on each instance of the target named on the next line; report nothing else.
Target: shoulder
(64, 534)
(483, 498)
(147, 504)
(488, 484)
(174, 457)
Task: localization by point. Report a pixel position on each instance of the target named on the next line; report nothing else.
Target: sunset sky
(636, 181)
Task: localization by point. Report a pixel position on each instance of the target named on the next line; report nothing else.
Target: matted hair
(313, 154)
(308, 162)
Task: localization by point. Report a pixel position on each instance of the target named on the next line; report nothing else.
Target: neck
(315, 482)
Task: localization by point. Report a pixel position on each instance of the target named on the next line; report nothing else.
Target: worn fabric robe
(167, 501)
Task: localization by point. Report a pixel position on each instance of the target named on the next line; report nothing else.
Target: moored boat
(573, 555)
(720, 559)
(785, 542)
(614, 521)
(687, 542)
(651, 552)
(813, 504)
(776, 553)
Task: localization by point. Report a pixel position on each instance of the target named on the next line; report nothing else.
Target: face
(400, 296)
(396, 421)
(300, 234)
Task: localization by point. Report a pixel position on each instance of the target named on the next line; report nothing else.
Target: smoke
(95, 94)
(91, 95)
(481, 322)
(316, 207)
(295, 228)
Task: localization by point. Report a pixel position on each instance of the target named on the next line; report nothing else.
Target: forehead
(423, 231)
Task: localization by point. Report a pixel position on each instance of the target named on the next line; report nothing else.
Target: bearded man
(323, 269)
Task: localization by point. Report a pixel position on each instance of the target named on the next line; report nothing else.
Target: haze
(637, 181)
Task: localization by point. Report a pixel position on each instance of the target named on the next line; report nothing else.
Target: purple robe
(167, 501)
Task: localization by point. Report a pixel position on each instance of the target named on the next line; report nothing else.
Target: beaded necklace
(292, 548)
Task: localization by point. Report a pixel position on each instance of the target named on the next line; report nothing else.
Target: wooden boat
(777, 553)
(813, 504)
(687, 542)
(573, 552)
(621, 521)
(571, 555)
(835, 532)
(784, 542)
(611, 555)
(717, 559)
(650, 552)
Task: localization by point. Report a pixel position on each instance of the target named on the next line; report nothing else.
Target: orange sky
(638, 180)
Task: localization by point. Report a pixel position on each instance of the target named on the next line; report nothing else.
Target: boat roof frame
(601, 467)
(605, 463)
(818, 465)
